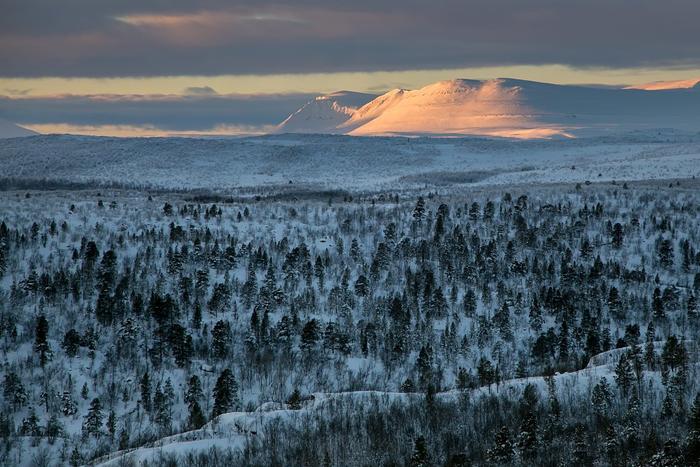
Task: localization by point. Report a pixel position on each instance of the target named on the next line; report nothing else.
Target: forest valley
(548, 325)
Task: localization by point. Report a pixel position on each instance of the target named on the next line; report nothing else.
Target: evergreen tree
(602, 399)
(294, 400)
(181, 344)
(161, 410)
(309, 335)
(145, 386)
(419, 209)
(502, 452)
(225, 393)
(41, 345)
(123, 439)
(666, 257)
(221, 336)
(196, 418)
(92, 422)
(30, 424)
(617, 236)
(624, 375)
(527, 440)
(76, 459)
(486, 372)
(194, 390)
(420, 456)
(658, 304)
(692, 306)
(54, 428)
(111, 424)
(13, 390)
(649, 352)
(581, 450)
(71, 343)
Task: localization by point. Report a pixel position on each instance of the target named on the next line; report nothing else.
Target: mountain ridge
(501, 107)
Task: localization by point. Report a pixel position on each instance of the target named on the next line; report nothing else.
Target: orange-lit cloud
(146, 130)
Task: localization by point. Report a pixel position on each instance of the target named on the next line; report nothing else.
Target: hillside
(151, 326)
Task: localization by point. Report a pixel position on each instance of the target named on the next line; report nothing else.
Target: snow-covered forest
(547, 325)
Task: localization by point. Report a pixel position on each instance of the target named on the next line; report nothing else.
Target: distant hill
(10, 130)
(501, 108)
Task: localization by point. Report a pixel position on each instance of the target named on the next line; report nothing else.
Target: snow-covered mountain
(10, 130)
(325, 114)
(501, 107)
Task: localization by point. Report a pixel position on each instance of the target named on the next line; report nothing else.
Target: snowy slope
(10, 130)
(325, 113)
(458, 107)
(664, 85)
(236, 430)
(505, 108)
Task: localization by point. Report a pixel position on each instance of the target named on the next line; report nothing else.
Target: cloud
(212, 37)
(147, 130)
(158, 113)
(17, 92)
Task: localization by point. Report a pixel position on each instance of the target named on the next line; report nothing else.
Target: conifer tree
(221, 336)
(13, 390)
(601, 399)
(419, 209)
(294, 400)
(92, 422)
(527, 439)
(196, 418)
(41, 345)
(420, 456)
(145, 386)
(624, 374)
(502, 452)
(225, 393)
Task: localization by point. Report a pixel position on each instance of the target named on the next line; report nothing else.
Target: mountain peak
(325, 113)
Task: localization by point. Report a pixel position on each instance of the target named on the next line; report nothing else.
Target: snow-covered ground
(339, 162)
(572, 228)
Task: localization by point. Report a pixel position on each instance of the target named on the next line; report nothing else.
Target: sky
(154, 67)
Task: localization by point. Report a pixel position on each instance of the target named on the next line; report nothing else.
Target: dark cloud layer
(178, 37)
(172, 113)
